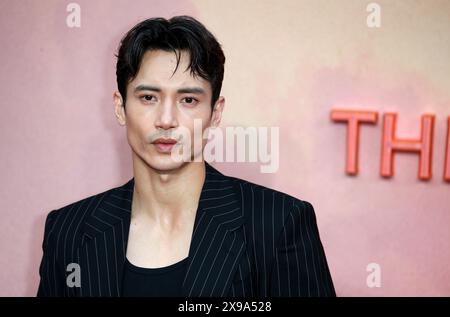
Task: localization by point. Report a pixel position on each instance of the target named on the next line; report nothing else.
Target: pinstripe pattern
(248, 240)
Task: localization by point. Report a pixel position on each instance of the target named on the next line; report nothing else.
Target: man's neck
(166, 198)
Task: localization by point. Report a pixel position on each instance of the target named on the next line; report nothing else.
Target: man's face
(161, 104)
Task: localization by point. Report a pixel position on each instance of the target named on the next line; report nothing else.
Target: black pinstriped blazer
(248, 240)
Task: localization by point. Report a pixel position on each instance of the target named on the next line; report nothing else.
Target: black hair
(180, 33)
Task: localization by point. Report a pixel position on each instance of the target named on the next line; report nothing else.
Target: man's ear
(119, 108)
(217, 112)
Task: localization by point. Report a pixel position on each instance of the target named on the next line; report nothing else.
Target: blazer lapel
(106, 235)
(217, 241)
(216, 246)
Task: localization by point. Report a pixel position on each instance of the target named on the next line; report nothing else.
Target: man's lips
(164, 145)
(164, 141)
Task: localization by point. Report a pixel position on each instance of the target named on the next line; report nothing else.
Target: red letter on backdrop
(447, 154)
(424, 146)
(353, 119)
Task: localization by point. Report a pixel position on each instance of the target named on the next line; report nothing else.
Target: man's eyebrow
(146, 87)
(186, 90)
(191, 90)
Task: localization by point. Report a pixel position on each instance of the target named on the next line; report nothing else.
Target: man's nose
(167, 116)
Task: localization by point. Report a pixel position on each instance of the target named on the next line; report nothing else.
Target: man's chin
(166, 164)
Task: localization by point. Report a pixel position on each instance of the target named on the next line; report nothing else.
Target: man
(179, 227)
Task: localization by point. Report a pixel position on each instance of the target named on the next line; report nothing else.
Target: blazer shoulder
(69, 210)
(268, 214)
(264, 205)
(70, 216)
(251, 190)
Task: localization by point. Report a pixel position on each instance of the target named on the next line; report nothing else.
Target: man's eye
(148, 98)
(189, 100)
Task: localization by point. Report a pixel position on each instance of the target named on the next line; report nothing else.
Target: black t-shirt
(160, 282)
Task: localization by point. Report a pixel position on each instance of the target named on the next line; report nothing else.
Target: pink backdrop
(288, 64)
